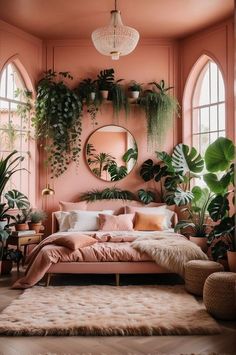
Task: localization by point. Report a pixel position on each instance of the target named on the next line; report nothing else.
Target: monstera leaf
(179, 197)
(149, 170)
(166, 158)
(131, 153)
(17, 199)
(200, 198)
(219, 155)
(117, 172)
(185, 160)
(218, 207)
(146, 196)
(171, 182)
(218, 186)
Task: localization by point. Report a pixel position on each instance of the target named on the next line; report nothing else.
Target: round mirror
(111, 152)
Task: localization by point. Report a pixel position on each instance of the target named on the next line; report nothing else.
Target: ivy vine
(57, 121)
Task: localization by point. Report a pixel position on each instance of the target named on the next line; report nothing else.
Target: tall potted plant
(219, 159)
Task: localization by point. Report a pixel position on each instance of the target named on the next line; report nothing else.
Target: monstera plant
(219, 159)
(174, 173)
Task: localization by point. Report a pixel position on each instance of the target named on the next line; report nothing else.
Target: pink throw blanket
(107, 248)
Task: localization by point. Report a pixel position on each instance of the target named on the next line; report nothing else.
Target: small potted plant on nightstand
(36, 218)
(21, 220)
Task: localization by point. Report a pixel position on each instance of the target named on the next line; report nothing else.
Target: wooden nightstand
(24, 240)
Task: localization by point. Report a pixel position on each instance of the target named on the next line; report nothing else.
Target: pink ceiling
(64, 19)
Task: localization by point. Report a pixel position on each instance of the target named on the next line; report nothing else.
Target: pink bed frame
(117, 268)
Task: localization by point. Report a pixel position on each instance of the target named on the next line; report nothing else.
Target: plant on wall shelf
(58, 121)
(118, 98)
(88, 92)
(104, 81)
(159, 107)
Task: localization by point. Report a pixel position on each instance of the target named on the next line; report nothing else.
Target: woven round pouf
(219, 295)
(196, 272)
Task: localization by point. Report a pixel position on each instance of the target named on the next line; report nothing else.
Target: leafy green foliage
(217, 186)
(178, 197)
(17, 199)
(37, 216)
(159, 108)
(186, 160)
(8, 167)
(131, 153)
(105, 79)
(135, 86)
(150, 171)
(108, 194)
(118, 97)
(146, 196)
(58, 121)
(219, 155)
(218, 207)
(117, 172)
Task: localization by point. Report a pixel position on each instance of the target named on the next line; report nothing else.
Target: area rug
(106, 310)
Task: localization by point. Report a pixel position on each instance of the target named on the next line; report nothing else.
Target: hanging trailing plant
(57, 121)
(159, 107)
(88, 93)
(118, 98)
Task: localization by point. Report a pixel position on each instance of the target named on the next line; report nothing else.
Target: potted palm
(36, 217)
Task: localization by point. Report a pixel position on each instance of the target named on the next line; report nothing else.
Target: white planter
(92, 96)
(104, 94)
(134, 94)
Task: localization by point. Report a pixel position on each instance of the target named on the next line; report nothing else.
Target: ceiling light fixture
(115, 39)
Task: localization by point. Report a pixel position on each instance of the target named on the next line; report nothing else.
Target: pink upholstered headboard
(117, 206)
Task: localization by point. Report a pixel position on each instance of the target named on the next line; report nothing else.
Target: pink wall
(152, 60)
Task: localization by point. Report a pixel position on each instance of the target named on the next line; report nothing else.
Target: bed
(109, 250)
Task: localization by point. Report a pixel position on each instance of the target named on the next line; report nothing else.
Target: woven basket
(219, 295)
(196, 272)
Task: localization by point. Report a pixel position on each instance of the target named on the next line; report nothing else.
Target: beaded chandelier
(115, 39)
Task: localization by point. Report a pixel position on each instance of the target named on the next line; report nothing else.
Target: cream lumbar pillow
(63, 220)
(85, 220)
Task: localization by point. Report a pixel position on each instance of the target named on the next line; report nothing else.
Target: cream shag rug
(106, 310)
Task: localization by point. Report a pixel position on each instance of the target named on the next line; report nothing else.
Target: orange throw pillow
(149, 222)
(75, 241)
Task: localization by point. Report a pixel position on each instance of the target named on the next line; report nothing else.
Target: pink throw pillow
(75, 241)
(71, 206)
(122, 222)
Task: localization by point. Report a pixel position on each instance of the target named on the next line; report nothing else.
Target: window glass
(208, 107)
(15, 128)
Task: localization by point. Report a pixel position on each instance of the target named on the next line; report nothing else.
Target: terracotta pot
(21, 227)
(201, 242)
(35, 226)
(231, 255)
(5, 267)
(134, 94)
(104, 94)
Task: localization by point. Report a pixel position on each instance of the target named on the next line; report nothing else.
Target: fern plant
(159, 107)
(108, 193)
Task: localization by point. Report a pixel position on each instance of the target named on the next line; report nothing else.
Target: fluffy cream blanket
(168, 251)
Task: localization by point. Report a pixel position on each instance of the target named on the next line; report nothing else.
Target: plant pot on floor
(35, 226)
(5, 267)
(231, 255)
(201, 242)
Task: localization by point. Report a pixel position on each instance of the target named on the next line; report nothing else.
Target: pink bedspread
(108, 248)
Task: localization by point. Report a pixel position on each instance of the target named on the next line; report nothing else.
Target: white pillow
(85, 220)
(63, 220)
(161, 210)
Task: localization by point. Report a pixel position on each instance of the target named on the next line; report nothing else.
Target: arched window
(208, 107)
(15, 129)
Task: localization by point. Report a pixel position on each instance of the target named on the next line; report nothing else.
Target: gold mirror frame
(111, 152)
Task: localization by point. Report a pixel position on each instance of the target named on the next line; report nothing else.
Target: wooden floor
(222, 344)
